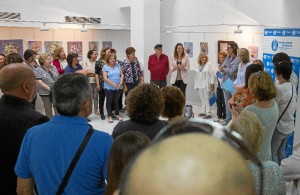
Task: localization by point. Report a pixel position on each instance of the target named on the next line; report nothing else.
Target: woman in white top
(243, 56)
(204, 83)
(286, 92)
(89, 66)
(179, 68)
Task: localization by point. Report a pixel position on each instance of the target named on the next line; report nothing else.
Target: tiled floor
(103, 125)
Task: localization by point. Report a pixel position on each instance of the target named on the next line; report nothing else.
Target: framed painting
(222, 46)
(75, 47)
(11, 46)
(35, 46)
(188, 46)
(94, 45)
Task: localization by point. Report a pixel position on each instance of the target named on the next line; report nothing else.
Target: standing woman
(179, 68)
(59, 59)
(113, 77)
(243, 56)
(221, 106)
(204, 82)
(99, 79)
(89, 66)
(46, 76)
(73, 65)
(229, 69)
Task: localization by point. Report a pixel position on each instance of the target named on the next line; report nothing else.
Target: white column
(145, 30)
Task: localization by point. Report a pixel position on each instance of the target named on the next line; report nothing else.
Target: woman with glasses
(46, 76)
(250, 128)
(229, 69)
(73, 65)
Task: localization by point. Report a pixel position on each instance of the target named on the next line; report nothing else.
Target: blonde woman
(59, 59)
(179, 68)
(250, 128)
(204, 83)
(243, 56)
(46, 74)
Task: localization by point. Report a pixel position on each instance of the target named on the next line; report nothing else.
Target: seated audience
(250, 128)
(123, 149)
(144, 106)
(286, 99)
(174, 103)
(17, 82)
(265, 107)
(190, 163)
(46, 76)
(290, 168)
(48, 149)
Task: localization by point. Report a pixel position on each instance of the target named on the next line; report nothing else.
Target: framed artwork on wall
(188, 47)
(11, 46)
(35, 46)
(253, 52)
(204, 47)
(75, 47)
(106, 44)
(51, 45)
(222, 46)
(94, 45)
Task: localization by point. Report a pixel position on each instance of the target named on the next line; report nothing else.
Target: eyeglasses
(216, 130)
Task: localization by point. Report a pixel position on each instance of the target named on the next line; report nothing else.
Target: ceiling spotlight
(44, 27)
(238, 30)
(83, 29)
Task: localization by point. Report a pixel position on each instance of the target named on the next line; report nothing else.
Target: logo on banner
(274, 45)
(293, 32)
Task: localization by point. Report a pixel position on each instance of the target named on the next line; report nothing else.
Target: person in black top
(17, 82)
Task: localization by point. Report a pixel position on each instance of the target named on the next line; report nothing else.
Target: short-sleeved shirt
(48, 77)
(70, 69)
(113, 74)
(48, 149)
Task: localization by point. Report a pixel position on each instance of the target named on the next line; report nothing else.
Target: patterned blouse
(98, 70)
(131, 72)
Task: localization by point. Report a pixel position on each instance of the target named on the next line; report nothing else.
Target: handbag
(125, 88)
(212, 98)
(71, 167)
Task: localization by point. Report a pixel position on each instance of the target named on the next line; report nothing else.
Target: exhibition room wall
(120, 38)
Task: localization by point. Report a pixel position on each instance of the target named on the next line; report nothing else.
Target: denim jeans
(227, 96)
(278, 145)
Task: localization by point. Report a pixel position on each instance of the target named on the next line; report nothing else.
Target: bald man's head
(189, 164)
(18, 80)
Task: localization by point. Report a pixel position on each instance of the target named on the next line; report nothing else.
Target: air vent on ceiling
(10, 16)
(75, 19)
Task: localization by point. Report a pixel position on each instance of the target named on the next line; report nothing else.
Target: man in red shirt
(158, 65)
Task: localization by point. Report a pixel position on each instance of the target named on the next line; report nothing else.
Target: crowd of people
(62, 153)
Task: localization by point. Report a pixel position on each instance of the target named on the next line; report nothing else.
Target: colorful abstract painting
(188, 47)
(75, 47)
(35, 46)
(51, 45)
(94, 45)
(11, 46)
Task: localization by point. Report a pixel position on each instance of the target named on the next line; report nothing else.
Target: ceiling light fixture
(83, 29)
(238, 30)
(44, 27)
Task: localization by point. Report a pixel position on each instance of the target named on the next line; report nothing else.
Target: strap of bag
(287, 105)
(74, 161)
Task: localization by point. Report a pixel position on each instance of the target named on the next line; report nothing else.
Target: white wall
(120, 38)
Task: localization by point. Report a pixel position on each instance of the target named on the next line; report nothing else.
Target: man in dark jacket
(17, 82)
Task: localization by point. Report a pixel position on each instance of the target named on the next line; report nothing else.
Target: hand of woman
(212, 87)
(98, 87)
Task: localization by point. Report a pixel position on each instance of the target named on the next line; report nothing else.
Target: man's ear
(86, 108)
(25, 87)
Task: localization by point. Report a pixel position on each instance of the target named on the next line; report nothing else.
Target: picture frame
(222, 46)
